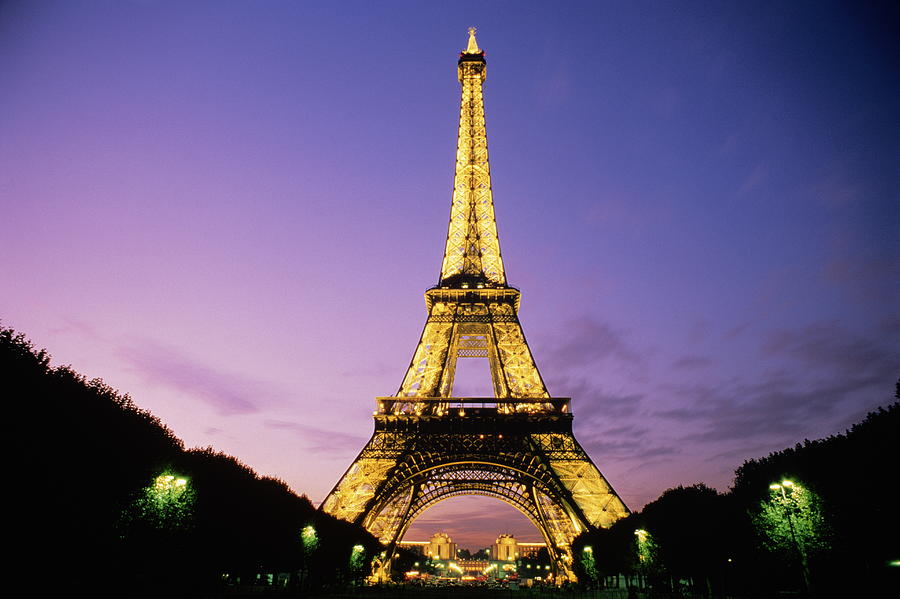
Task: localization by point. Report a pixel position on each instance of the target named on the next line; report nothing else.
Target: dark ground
(411, 592)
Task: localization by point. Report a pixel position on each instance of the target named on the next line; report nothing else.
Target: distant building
(505, 549)
(508, 549)
(441, 546)
(474, 567)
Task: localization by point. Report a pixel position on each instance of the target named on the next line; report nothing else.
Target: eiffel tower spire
(472, 254)
(472, 312)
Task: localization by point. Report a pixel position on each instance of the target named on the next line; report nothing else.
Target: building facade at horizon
(505, 548)
(516, 446)
(441, 546)
(505, 558)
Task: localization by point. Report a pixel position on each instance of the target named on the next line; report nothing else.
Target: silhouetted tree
(113, 500)
(723, 543)
(848, 473)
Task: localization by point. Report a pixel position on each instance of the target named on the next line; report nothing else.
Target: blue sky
(231, 210)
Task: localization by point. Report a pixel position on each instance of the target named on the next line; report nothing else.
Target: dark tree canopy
(106, 516)
(722, 543)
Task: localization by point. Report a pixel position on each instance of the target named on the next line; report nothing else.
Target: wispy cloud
(78, 327)
(771, 408)
(830, 347)
(634, 449)
(589, 342)
(319, 440)
(633, 443)
(875, 280)
(826, 371)
(228, 393)
(595, 403)
(736, 331)
(610, 426)
(609, 421)
(691, 362)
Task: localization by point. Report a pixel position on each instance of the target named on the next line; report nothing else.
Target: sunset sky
(231, 210)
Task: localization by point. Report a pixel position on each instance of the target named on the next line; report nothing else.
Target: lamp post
(641, 534)
(786, 503)
(168, 501)
(310, 541)
(587, 560)
(643, 558)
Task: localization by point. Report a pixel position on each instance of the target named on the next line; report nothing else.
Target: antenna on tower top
(473, 45)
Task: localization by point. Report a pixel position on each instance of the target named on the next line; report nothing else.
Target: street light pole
(804, 570)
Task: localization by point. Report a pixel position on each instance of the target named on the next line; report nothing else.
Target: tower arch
(533, 492)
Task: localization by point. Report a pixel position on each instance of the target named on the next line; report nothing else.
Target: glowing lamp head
(309, 537)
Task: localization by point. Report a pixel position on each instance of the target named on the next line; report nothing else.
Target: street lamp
(783, 488)
(169, 483)
(587, 561)
(357, 559)
(309, 537)
(168, 501)
(642, 535)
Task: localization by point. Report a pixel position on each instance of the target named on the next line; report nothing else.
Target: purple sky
(230, 210)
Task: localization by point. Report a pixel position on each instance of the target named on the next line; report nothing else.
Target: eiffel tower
(517, 446)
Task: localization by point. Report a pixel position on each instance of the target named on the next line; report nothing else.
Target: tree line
(109, 498)
(819, 519)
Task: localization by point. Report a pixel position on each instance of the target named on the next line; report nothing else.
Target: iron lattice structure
(517, 446)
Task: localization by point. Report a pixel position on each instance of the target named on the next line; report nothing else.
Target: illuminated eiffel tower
(517, 446)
